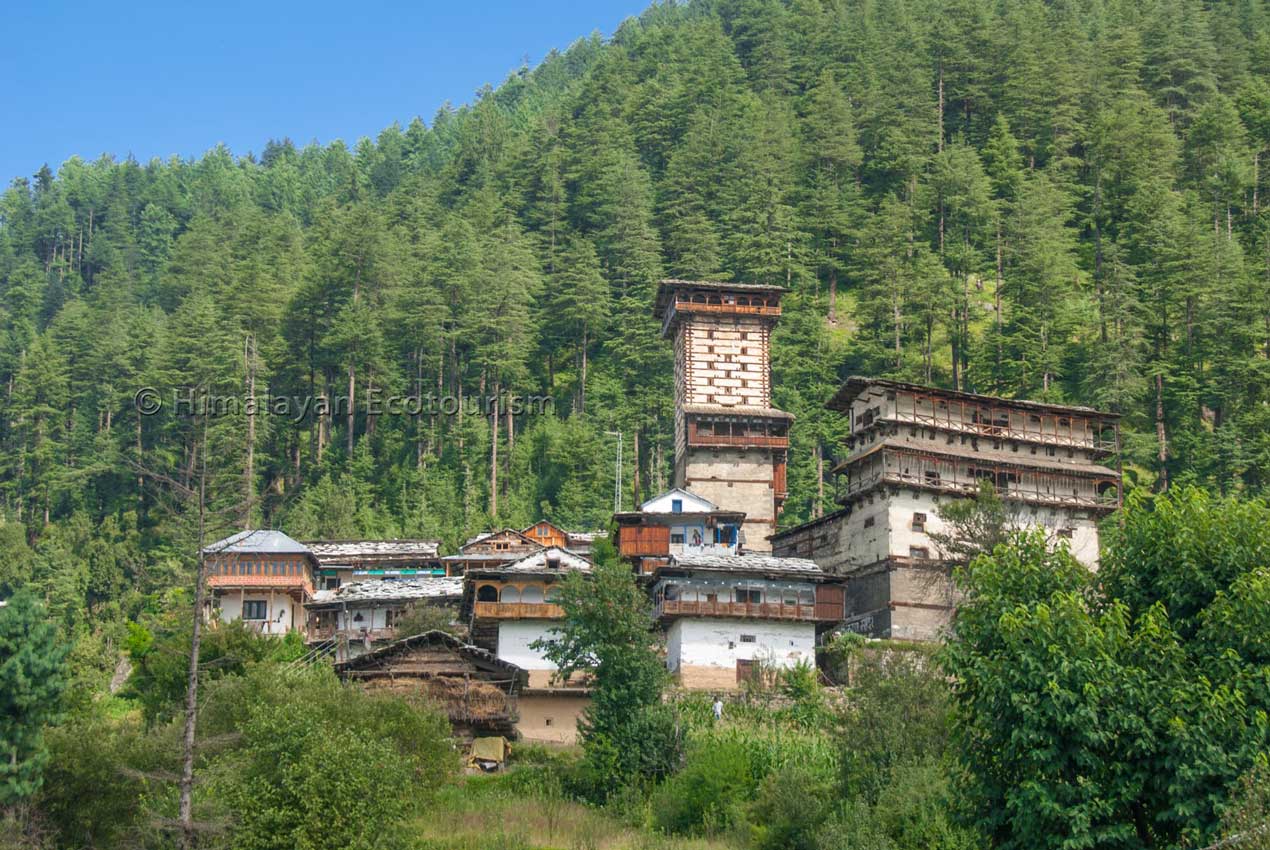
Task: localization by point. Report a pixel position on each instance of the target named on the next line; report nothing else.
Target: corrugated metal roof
(258, 541)
(752, 563)
(390, 590)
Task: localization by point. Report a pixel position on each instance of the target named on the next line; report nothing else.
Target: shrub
(99, 774)
(789, 809)
(319, 764)
(898, 713)
(914, 810)
(710, 792)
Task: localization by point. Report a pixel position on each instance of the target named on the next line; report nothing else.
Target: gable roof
(537, 562)
(704, 504)
(482, 537)
(547, 522)
(258, 541)
(751, 564)
(390, 590)
(482, 658)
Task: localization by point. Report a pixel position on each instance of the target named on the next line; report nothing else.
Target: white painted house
(509, 608)
(728, 616)
(677, 522)
(261, 577)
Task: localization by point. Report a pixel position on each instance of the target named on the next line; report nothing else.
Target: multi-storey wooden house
(509, 608)
(261, 577)
(911, 449)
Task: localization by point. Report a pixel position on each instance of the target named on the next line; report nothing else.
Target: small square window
(921, 552)
(677, 539)
(254, 609)
(868, 522)
(676, 506)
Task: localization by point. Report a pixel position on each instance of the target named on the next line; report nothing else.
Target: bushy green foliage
(105, 777)
(32, 677)
(160, 650)
(286, 759)
(916, 808)
(628, 734)
(790, 807)
(708, 794)
(897, 713)
(1086, 717)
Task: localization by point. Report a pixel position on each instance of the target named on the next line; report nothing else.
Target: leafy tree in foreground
(32, 668)
(1089, 719)
(627, 733)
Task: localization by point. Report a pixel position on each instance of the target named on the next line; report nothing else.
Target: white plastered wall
(278, 612)
(515, 637)
(716, 642)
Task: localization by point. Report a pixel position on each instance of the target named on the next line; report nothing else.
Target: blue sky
(162, 78)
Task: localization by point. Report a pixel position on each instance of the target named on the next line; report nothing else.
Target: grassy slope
(502, 813)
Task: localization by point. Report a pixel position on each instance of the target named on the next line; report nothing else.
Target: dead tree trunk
(186, 802)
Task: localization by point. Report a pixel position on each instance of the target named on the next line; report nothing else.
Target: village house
(509, 608)
(728, 617)
(910, 450)
(677, 522)
(260, 577)
(494, 548)
(341, 562)
(477, 690)
(360, 614)
(546, 533)
(490, 549)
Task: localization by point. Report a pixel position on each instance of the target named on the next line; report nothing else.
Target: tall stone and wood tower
(730, 443)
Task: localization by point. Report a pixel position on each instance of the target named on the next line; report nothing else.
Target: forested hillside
(1048, 200)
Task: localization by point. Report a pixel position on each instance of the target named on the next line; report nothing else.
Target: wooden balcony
(281, 584)
(685, 306)
(744, 610)
(519, 610)
(745, 441)
(315, 634)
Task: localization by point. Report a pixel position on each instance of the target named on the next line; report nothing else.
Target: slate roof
(751, 563)
(536, 562)
(344, 551)
(735, 410)
(857, 384)
(484, 656)
(390, 590)
(258, 541)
